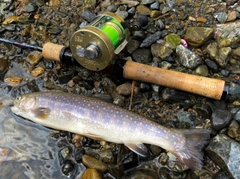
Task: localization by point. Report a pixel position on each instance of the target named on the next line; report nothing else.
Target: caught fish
(103, 121)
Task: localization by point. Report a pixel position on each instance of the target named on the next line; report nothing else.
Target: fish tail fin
(190, 152)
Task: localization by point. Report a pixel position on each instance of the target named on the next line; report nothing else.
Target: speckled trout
(104, 121)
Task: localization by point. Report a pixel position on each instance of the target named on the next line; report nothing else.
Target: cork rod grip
(212, 88)
(52, 51)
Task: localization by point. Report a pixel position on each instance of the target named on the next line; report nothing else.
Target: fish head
(25, 102)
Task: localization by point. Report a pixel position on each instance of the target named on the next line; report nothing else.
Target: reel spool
(94, 46)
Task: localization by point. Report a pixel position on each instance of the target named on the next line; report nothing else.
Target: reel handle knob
(140, 22)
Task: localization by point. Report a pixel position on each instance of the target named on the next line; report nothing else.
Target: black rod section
(22, 45)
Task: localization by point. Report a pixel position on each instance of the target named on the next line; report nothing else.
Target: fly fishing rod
(95, 45)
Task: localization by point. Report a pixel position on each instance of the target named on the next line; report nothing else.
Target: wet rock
(142, 174)
(230, 2)
(78, 153)
(161, 50)
(155, 5)
(5, 169)
(3, 65)
(187, 58)
(142, 56)
(155, 150)
(132, 46)
(236, 52)
(237, 116)
(220, 55)
(10, 19)
(91, 162)
(232, 16)
(160, 24)
(155, 14)
(212, 65)
(88, 16)
(151, 39)
(173, 40)
(69, 168)
(106, 156)
(13, 81)
(197, 36)
(202, 70)
(54, 31)
(3, 154)
(165, 65)
(54, 2)
(141, 9)
(91, 174)
(234, 130)
(145, 2)
(226, 153)
(201, 19)
(34, 57)
(172, 95)
(224, 42)
(221, 119)
(226, 30)
(37, 71)
(123, 14)
(124, 89)
(30, 7)
(186, 117)
(221, 17)
(165, 10)
(112, 8)
(234, 89)
(10, 27)
(174, 164)
(65, 152)
(221, 175)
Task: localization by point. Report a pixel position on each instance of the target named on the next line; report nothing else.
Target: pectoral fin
(139, 149)
(41, 113)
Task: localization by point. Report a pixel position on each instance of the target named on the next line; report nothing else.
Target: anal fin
(139, 149)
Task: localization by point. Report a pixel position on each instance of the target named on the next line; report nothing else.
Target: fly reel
(94, 46)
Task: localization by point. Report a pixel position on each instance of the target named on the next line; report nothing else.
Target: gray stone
(234, 89)
(186, 117)
(151, 39)
(221, 119)
(187, 58)
(225, 152)
(221, 17)
(142, 56)
(132, 46)
(237, 116)
(88, 16)
(145, 2)
(161, 50)
(155, 6)
(123, 14)
(220, 55)
(30, 7)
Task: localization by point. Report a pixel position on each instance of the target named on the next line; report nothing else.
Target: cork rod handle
(212, 88)
(52, 51)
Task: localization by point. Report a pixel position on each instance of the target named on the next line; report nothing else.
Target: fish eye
(19, 98)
